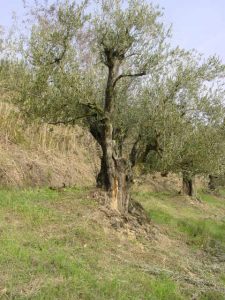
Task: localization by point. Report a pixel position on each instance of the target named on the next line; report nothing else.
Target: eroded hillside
(46, 155)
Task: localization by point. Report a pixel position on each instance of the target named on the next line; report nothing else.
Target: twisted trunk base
(116, 182)
(188, 187)
(212, 182)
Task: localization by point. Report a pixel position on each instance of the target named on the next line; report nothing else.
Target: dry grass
(44, 155)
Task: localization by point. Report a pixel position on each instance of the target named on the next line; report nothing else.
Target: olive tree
(106, 70)
(187, 113)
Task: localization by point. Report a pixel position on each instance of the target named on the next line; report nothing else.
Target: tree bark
(102, 180)
(188, 187)
(212, 182)
(164, 173)
(120, 191)
(116, 182)
(114, 175)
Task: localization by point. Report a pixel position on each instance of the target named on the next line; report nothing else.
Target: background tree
(188, 121)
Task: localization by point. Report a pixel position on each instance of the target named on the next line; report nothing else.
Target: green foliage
(187, 122)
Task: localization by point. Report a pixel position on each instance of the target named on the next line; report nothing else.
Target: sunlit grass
(197, 229)
(50, 251)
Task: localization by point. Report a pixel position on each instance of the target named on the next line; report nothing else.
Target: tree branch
(93, 106)
(70, 120)
(153, 146)
(128, 75)
(134, 152)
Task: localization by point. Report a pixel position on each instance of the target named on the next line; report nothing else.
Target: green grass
(161, 217)
(203, 232)
(196, 228)
(222, 278)
(216, 200)
(221, 192)
(27, 205)
(207, 197)
(198, 232)
(51, 250)
(212, 296)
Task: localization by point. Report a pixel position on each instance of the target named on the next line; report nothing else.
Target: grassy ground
(58, 245)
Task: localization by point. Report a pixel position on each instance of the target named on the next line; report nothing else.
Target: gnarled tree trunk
(102, 180)
(120, 191)
(115, 173)
(188, 187)
(212, 182)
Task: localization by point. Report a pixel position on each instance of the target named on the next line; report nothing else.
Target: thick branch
(155, 146)
(151, 147)
(134, 152)
(128, 75)
(93, 107)
(69, 121)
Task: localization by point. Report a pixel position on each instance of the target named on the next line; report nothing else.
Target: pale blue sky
(197, 24)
